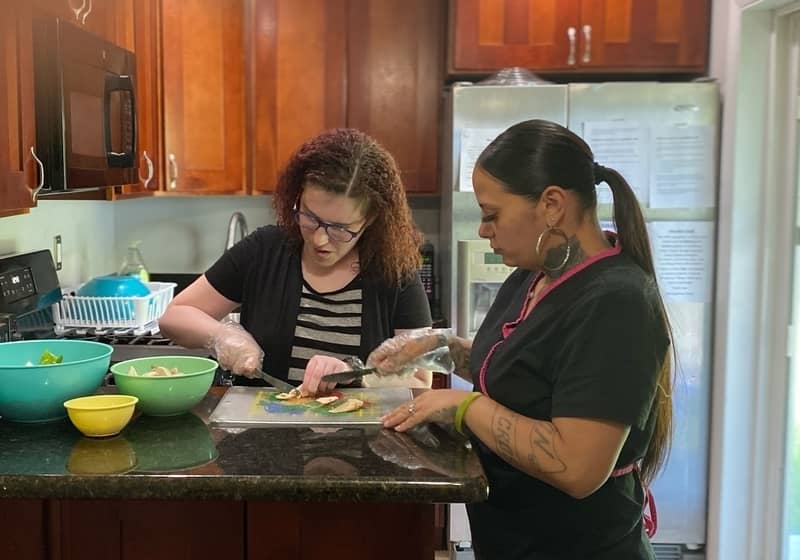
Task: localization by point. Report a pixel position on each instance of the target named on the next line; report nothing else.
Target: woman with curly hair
(335, 277)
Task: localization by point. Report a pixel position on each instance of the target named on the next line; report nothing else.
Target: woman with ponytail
(571, 413)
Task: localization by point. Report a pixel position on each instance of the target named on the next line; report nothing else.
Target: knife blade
(349, 375)
(279, 384)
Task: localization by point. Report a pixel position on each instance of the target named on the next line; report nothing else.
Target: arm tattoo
(541, 453)
(504, 428)
(542, 443)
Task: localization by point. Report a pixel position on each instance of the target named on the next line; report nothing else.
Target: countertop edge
(240, 488)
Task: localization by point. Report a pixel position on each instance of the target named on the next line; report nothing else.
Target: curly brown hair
(347, 161)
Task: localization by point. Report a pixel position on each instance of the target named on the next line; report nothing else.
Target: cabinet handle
(571, 55)
(77, 11)
(587, 44)
(146, 182)
(35, 192)
(173, 172)
(86, 13)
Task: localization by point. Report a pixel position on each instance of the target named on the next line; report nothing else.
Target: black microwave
(85, 108)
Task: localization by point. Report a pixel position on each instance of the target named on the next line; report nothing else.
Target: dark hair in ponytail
(532, 155)
(632, 233)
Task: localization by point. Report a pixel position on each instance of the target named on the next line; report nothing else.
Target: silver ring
(411, 408)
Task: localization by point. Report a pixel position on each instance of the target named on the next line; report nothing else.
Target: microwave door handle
(120, 83)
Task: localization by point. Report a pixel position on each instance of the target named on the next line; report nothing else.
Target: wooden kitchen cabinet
(203, 96)
(156, 530)
(339, 531)
(297, 77)
(146, 41)
(24, 524)
(18, 169)
(585, 36)
(394, 82)
(375, 65)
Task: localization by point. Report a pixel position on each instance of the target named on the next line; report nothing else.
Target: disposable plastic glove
(235, 349)
(406, 352)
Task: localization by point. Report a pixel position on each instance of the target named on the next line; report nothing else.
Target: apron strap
(649, 511)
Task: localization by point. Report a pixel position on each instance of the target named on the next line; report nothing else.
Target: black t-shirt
(263, 273)
(592, 348)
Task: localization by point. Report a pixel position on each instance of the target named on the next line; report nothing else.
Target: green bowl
(169, 395)
(170, 444)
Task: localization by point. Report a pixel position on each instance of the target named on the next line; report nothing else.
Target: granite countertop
(182, 457)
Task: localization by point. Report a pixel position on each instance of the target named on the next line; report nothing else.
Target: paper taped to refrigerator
(683, 253)
(621, 145)
(682, 167)
(473, 142)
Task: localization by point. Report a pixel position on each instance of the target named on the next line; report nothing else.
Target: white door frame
(756, 217)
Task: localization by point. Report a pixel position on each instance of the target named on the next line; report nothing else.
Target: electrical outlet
(57, 251)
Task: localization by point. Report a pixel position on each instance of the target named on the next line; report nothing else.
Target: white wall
(742, 471)
(188, 234)
(86, 229)
(182, 234)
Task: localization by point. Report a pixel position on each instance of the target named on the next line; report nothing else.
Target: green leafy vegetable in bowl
(48, 357)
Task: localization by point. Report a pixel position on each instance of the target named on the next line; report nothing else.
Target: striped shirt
(328, 323)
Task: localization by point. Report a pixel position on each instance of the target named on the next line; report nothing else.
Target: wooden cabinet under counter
(181, 488)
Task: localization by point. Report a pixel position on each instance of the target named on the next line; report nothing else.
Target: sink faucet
(237, 224)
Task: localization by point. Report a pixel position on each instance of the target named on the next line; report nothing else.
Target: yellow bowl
(101, 415)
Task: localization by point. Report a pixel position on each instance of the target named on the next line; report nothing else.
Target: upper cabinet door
(558, 36)
(203, 89)
(395, 77)
(146, 43)
(491, 34)
(644, 34)
(18, 168)
(296, 78)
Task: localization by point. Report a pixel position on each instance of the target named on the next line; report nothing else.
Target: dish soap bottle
(133, 265)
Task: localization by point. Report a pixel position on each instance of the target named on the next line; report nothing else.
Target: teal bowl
(168, 395)
(114, 286)
(36, 393)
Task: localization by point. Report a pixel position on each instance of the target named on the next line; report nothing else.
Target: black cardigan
(263, 273)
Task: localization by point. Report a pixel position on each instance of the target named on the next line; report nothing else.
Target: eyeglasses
(334, 232)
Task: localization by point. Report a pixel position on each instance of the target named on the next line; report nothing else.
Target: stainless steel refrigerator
(663, 138)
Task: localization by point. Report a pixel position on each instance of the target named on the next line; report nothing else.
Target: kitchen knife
(279, 384)
(349, 375)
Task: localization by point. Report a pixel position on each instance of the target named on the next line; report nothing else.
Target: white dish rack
(103, 313)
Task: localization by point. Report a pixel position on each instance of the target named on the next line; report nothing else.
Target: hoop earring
(555, 231)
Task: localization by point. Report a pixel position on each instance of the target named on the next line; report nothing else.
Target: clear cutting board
(256, 406)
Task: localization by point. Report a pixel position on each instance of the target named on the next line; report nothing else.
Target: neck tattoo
(555, 256)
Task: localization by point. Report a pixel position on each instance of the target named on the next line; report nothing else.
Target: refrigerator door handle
(571, 55)
(587, 44)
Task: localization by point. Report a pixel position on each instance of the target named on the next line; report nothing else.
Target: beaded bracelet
(462, 409)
